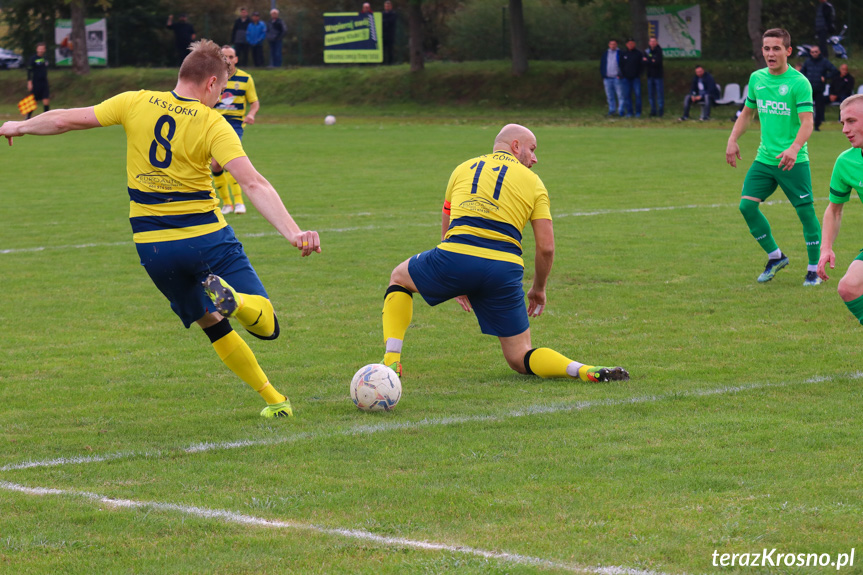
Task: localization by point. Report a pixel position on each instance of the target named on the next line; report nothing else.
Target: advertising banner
(677, 29)
(351, 38)
(97, 42)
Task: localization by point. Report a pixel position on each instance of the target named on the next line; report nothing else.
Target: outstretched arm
(732, 150)
(543, 234)
(267, 201)
(51, 123)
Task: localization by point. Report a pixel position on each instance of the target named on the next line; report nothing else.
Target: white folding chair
(731, 95)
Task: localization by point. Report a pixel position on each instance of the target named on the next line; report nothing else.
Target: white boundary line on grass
(358, 534)
(375, 227)
(368, 429)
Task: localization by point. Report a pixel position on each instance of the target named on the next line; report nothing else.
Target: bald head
(518, 141)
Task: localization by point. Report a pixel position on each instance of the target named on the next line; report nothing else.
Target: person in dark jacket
(704, 90)
(655, 77)
(825, 23)
(389, 22)
(37, 77)
(841, 86)
(184, 34)
(238, 37)
(630, 67)
(276, 30)
(818, 70)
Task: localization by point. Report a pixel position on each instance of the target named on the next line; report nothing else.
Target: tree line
(521, 30)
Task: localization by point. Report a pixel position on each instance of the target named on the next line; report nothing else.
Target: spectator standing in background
(630, 65)
(255, 34)
(609, 69)
(655, 77)
(818, 70)
(238, 37)
(184, 34)
(842, 85)
(275, 32)
(390, 19)
(825, 23)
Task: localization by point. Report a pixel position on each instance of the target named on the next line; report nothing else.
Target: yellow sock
(547, 363)
(397, 314)
(236, 190)
(221, 185)
(256, 314)
(238, 356)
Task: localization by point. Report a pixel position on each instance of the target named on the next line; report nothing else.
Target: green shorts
(761, 181)
(860, 256)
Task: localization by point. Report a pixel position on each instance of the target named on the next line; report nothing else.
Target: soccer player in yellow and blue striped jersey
(183, 242)
(488, 202)
(239, 105)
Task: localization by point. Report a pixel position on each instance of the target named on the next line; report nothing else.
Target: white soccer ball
(330, 120)
(376, 387)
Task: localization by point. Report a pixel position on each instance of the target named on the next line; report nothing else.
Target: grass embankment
(549, 89)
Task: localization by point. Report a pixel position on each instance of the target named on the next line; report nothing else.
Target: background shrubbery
(453, 30)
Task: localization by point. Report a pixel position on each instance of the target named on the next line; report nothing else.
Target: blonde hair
(850, 101)
(205, 60)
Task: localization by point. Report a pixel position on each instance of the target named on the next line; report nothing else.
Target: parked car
(9, 59)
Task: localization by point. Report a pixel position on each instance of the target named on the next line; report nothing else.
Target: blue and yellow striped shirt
(169, 143)
(235, 100)
(491, 199)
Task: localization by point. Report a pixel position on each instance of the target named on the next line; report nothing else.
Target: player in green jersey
(847, 175)
(783, 98)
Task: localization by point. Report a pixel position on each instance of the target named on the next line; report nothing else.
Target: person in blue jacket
(255, 34)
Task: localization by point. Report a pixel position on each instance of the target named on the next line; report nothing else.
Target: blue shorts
(494, 288)
(178, 268)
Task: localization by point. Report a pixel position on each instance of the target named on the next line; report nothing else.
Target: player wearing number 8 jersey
(183, 241)
(488, 202)
(783, 98)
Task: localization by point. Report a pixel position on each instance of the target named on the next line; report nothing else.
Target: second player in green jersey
(783, 98)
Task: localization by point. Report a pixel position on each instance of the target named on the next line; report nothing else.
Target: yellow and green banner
(351, 38)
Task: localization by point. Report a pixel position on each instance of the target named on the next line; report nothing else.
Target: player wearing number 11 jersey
(488, 202)
(183, 242)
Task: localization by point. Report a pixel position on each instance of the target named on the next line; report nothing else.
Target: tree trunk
(519, 37)
(638, 14)
(415, 28)
(80, 61)
(753, 25)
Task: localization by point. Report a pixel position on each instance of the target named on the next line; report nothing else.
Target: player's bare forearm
(788, 158)
(543, 233)
(267, 201)
(830, 227)
(444, 225)
(253, 112)
(52, 123)
(732, 150)
(807, 125)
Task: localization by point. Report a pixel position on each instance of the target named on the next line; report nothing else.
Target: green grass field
(127, 447)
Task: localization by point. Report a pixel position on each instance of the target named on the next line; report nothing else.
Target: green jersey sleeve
(803, 96)
(847, 175)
